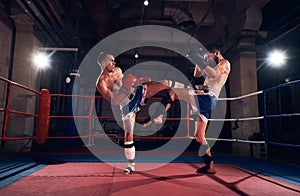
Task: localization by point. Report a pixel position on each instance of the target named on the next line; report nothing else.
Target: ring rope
(234, 140)
(284, 144)
(240, 97)
(282, 115)
(91, 135)
(237, 119)
(183, 137)
(283, 85)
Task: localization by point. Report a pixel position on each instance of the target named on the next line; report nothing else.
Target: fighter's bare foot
(205, 170)
(158, 120)
(128, 170)
(208, 170)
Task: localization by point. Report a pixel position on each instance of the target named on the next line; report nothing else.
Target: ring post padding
(43, 120)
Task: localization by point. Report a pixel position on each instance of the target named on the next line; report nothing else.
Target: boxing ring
(236, 176)
(43, 116)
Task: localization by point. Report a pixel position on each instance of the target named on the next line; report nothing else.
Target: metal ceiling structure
(83, 23)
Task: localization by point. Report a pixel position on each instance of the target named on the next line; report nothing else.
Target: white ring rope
(234, 140)
(237, 98)
(240, 97)
(237, 119)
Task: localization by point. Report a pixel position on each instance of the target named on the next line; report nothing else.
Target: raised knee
(165, 82)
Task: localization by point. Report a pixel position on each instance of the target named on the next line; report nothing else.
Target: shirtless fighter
(130, 93)
(216, 69)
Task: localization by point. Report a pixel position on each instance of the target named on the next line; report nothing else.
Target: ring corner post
(43, 121)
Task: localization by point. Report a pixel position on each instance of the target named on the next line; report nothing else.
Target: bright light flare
(146, 2)
(277, 58)
(136, 55)
(41, 60)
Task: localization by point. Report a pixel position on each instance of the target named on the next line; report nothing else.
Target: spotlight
(41, 60)
(276, 58)
(146, 2)
(136, 55)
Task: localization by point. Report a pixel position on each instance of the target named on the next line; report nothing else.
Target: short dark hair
(101, 57)
(213, 47)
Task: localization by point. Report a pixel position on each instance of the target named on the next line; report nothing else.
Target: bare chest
(110, 80)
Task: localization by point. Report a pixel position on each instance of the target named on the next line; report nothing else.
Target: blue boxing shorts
(132, 103)
(206, 103)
